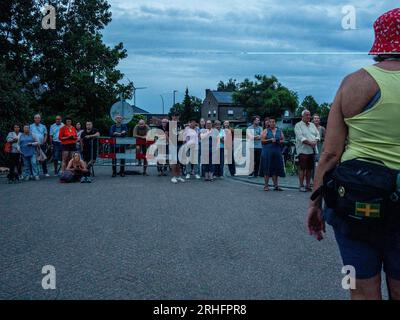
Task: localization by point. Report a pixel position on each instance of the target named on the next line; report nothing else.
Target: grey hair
(304, 112)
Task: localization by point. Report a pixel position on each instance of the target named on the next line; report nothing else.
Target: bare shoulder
(356, 91)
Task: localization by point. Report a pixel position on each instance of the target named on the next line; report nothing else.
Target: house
(219, 105)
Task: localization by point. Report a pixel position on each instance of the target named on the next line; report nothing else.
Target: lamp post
(175, 91)
(162, 99)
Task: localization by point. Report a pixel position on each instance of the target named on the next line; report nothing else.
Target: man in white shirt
(307, 138)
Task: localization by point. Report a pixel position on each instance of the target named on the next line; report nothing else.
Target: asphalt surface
(145, 238)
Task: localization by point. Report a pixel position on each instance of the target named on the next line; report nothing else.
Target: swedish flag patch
(368, 210)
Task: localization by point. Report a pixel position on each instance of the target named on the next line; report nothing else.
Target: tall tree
(230, 86)
(188, 109)
(309, 104)
(265, 97)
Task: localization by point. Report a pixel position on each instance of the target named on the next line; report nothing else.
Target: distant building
(220, 105)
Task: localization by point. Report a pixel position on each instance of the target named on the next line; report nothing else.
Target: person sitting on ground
(78, 168)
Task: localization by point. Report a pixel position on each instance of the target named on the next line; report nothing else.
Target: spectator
(266, 123)
(255, 134)
(140, 133)
(321, 130)
(176, 136)
(79, 131)
(27, 145)
(307, 138)
(192, 150)
(78, 169)
(209, 137)
(162, 166)
(14, 155)
(55, 143)
(39, 130)
(219, 167)
(89, 138)
(228, 145)
(271, 157)
(118, 130)
(68, 137)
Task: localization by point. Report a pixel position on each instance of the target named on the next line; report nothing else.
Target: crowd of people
(73, 150)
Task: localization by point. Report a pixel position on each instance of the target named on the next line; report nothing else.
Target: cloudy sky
(177, 43)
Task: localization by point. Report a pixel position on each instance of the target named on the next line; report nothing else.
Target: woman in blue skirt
(272, 165)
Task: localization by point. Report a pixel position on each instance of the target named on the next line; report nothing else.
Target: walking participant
(89, 138)
(307, 138)
(255, 134)
(118, 130)
(55, 143)
(140, 132)
(68, 137)
(271, 157)
(14, 155)
(192, 150)
(361, 198)
(39, 130)
(27, 145)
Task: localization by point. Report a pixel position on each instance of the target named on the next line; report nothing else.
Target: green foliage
(231, 85)
(188, 109)
(312, 105)
(75, 71)
(265, 97)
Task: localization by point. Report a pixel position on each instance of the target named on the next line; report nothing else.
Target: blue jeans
(193, 167)
(30, 166)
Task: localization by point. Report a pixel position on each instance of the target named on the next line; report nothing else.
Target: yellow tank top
(375, 133)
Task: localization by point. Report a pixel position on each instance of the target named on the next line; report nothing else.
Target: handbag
(363, 192)
(7, 147)
(40, 155)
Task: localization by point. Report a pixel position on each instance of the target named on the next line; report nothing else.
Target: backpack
(67, 177)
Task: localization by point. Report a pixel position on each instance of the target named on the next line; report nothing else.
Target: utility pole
(162, 99)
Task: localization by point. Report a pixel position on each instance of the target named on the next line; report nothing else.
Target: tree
(230, 86)
(75, 72)
(265, 97)
(324, 109)
(188, 109)
(309, 104)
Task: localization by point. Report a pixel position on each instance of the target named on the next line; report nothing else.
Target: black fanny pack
(362, 191)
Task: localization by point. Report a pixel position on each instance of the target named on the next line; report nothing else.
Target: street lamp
(162, 99)
(175, 91)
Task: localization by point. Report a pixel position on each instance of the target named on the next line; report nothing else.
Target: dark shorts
(69, 147)
(367, 258)
(306, 161)
(57, 150)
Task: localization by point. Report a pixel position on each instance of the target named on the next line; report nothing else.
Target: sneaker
(37, 178)
(197, 177)
(180, 179)
(174, 180)
(114, 175)
(47, 175)
(27, 178)
(83, 179)
(88, 180)
(188, 176)
(302, 189)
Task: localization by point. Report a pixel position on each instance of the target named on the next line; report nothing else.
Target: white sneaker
(174, 180)
(37, 178)
(188, 176)
(47, 175)
(197, 177)
(180, 179)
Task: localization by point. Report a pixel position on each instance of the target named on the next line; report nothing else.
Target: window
(209, 114)
(215, 113)
(231, 112)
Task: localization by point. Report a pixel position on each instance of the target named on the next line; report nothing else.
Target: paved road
(144, 238)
